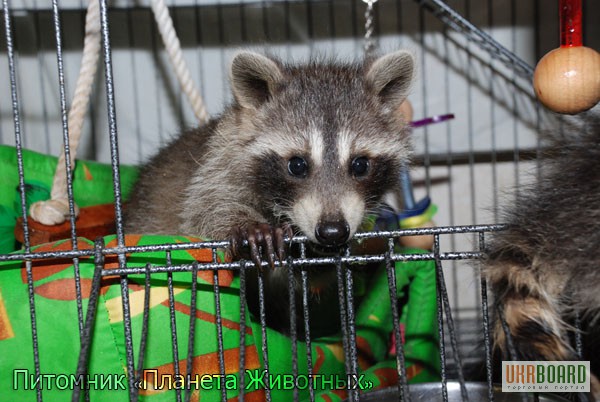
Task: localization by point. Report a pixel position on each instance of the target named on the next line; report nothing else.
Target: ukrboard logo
(552, 376)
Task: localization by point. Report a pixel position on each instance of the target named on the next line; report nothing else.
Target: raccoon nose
(333, 233)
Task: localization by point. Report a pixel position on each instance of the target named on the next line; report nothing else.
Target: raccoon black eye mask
(308, 148)
(330, 235)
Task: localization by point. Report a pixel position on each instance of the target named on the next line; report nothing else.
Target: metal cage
(449, 43)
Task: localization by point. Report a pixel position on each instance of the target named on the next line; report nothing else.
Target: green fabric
(58, 330)
(59, 333)
(92, 185)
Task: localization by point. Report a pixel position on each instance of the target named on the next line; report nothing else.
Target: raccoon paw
(263, 240)
(534, 327)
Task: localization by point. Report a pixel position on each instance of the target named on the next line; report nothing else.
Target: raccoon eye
(298, 167)
(360, 166)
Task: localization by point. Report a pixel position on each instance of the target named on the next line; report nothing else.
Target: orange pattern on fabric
(112, 261)
(41, 269)
(387, 376)
(365, 354)
(86, 172)
(225, 277)
(413, 371)
(320, 359)
(208, 317)
(6, 330)
(252, 396)
(206, 364)
(64, 289)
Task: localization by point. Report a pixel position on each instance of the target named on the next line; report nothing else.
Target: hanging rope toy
(56, 210)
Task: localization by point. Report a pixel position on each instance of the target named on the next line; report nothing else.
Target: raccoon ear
(391, 76)
(254, 78)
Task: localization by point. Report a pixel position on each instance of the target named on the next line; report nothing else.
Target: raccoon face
(325, 142)
(332, 200)
(326, 201)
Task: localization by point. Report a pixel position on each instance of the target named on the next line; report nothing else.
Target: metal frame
(341, 262)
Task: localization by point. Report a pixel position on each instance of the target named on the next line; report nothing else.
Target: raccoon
(544, 270)
(306, 149)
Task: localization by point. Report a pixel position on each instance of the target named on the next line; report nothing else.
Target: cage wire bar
(19, 151)
(68, 166)
(342, 264)
(114, 152)
(485, 322)
(460, 24)
(100, 253)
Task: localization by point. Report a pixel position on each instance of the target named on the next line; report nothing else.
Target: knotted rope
(56, 210)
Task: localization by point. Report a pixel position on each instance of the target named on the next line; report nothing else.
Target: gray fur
(545, 268)
(232, 174)
(206, 181)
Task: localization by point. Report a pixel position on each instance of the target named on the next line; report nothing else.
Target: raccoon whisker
(196, 161)
(272, 159)
(296, 232)
(281, 211)
(375, 211)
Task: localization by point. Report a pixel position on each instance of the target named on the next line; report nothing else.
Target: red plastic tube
(570, 23)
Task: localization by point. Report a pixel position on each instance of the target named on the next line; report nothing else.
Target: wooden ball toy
(567, 79)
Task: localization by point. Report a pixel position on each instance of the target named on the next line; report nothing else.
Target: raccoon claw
(261, 236)
(280, 234)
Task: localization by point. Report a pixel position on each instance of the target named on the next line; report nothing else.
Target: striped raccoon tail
(529, 308)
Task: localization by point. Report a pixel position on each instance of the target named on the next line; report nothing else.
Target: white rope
(370, 43)
(56, 210)
(173, 47)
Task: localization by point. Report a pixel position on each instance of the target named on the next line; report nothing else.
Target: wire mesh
(293, 28)
(343, 264)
